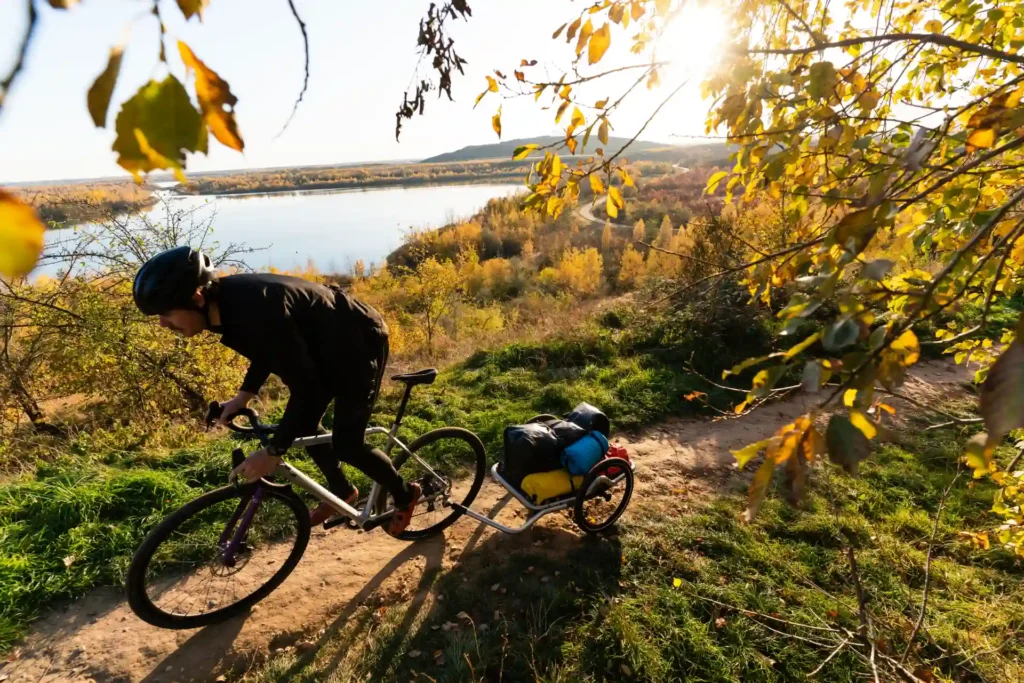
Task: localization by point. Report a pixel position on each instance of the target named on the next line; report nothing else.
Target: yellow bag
(543, 486)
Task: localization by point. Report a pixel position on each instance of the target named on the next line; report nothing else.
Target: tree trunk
(31, 408)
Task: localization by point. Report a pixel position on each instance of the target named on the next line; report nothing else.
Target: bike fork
(246, 510)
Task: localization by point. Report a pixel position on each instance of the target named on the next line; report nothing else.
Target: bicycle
(204, 554)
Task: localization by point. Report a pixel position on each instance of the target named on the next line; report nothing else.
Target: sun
(695, 40)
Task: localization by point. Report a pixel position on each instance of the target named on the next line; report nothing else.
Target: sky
(362, 58)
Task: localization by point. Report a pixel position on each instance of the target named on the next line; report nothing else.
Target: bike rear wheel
(181, 576)
(449, 465)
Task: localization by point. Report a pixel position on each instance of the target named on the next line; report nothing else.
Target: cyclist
(321, 342)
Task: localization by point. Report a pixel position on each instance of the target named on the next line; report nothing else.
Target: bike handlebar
(255, 427)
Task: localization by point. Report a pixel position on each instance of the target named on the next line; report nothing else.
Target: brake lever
(212, 413)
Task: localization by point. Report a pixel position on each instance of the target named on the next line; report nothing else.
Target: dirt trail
(98, 638)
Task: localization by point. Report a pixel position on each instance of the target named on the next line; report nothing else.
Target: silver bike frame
(359, 518)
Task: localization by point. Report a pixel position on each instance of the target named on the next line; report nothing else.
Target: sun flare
(695, 39)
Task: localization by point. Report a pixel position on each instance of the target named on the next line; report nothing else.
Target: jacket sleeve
(255, 377)
(308, 397)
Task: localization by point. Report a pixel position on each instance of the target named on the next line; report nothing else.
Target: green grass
(74, 524)
(632, 368)
(610, 609)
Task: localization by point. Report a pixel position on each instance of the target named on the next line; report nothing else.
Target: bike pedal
(336, 521)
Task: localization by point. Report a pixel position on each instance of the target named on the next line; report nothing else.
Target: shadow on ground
(501, 613)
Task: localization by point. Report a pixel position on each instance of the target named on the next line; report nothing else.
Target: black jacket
(307, 334)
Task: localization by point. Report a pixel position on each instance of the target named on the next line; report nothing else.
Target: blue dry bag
(585, 453)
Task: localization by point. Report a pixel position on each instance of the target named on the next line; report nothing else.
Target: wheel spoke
(187, 576)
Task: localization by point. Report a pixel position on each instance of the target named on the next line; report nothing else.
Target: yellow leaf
(496, 122)
(156, 159)
(978, 454)
(98, 97)
(215, 100)
(933, 26)
(662, 6)
(908, 347)
(21, 236)
(602, 131)
(492, 85)
(585, 33)
(758, 489)
(868, 99)
(849, 396)
(561, 110)
(481, 96)
(613, 211)
(600, 104)
(577, 119)
(982, 138)
(626, 179)
(558, 32)
(715, 179)
(636, 10)
(573, 27)
(596, 185)
(677, 582)
(653, 80)
(599, 43)
(861, 422)
(191, 7)
(802, 346)
(520, 76)
(523, 151)
(749, 452)
(1013, 100)
(615, 195)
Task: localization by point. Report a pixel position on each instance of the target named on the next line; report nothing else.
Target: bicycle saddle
(425, 376)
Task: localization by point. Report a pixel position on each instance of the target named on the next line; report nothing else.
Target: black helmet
(169, 279)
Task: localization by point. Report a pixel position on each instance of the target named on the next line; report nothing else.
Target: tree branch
(680, 255)
(933, 38)
(928, 570)
(5, 85)
(305, 80)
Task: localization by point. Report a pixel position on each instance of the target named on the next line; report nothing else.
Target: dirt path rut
(98, 638)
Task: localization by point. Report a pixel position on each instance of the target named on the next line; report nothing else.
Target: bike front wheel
(449, 465)
(217, 556)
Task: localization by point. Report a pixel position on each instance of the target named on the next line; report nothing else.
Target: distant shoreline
(461, 179)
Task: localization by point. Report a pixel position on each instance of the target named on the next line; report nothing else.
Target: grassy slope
(611, 609)
(93, 504)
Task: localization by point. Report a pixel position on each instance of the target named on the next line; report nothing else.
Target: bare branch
(933, 38)
(928, 569)
(5, 85)
(305, 80)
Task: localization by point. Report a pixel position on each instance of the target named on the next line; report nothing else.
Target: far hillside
(712, 153)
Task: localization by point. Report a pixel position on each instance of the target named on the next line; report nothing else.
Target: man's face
(187, 323)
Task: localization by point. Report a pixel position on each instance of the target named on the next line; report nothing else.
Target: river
(331, 228)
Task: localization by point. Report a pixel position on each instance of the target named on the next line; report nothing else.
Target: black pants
(353, 406)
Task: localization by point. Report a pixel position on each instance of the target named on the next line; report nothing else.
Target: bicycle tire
(480, 456)
(139, 599)
(579, 514)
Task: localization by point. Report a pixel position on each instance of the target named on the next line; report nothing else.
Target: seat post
(401, 406)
